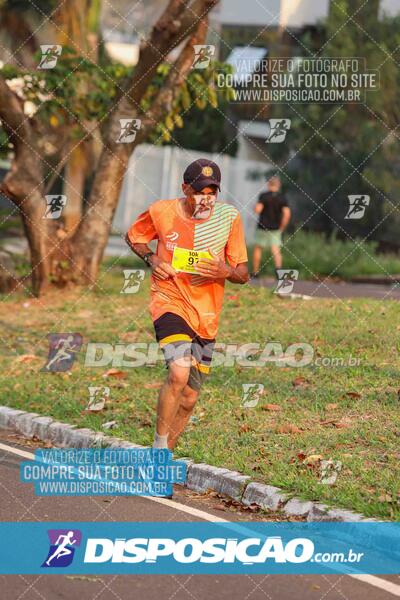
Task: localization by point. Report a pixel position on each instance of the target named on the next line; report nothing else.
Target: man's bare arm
(258, 208)
(160, 268)
(240, 274)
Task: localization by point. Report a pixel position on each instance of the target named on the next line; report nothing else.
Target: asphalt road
(18, 503)
(336, 290)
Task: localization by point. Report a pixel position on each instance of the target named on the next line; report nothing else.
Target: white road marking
(195, 512)
(383, 584)
(17, 451)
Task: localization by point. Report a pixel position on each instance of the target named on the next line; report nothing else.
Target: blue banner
(199, 548)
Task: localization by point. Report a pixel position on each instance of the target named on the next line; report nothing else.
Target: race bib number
(184, 260)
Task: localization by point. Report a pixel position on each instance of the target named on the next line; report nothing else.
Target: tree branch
(162, 105)
(179, 20)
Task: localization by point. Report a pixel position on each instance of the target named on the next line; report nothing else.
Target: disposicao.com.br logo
(248, 551)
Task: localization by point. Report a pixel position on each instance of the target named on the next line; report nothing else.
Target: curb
(200, 477)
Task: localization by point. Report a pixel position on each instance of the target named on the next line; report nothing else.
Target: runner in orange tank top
(200, 245)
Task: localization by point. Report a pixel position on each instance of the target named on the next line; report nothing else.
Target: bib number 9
(184, 260)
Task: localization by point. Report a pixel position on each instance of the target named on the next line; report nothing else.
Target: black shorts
(178, 341)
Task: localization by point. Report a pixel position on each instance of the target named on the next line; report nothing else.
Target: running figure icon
(62, 546)
(63, 348)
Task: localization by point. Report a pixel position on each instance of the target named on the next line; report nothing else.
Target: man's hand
(161, 269)
(213, 268)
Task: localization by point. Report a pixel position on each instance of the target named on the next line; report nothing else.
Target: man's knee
(178, 375)
(188, 399)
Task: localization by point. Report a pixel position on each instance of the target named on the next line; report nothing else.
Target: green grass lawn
(344, 413)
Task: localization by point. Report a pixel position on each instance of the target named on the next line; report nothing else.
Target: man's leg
(257, 254)
(175, 338)
(277, 256)
(169, 400)
(187, 402)
(202, 351)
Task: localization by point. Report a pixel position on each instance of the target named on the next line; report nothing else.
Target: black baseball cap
(202, 173)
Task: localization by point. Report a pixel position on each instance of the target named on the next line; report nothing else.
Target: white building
(281, 13)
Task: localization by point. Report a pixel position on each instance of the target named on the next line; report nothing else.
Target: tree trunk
(72, 18)
(90, 239)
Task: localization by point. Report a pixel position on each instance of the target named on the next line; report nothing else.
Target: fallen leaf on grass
(115, 373)
(109, 425)
(337, 424)
(312, 459)
(245, 428)
(331, 406)
(26, 358)
(271, 407)
(385, 498)
(288, 428)
(354, 395)
(300, 382)
(328, 422)
(341, 425)
(153, 386)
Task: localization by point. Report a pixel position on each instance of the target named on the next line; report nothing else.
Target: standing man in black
(273, 218)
